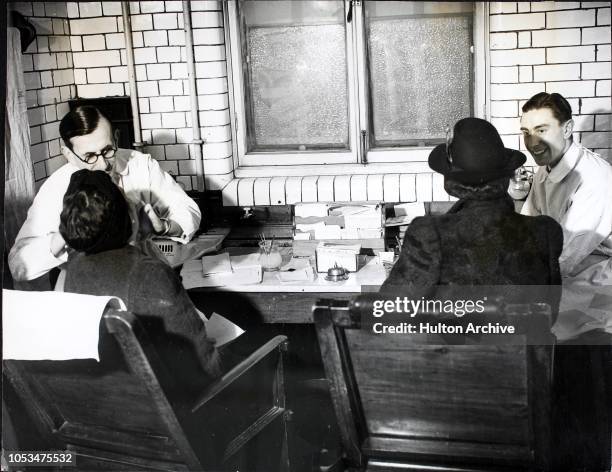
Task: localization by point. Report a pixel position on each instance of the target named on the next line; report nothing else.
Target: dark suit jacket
(478, 242)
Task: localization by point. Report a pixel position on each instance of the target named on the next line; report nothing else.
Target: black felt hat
(474, 154)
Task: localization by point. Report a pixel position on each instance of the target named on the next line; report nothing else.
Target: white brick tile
(111, 8)
(570, 54)
(602, 88)
(39, 152)
(60, 27)
(50, 115)
(515, 91)
(214, 118)
(505, 109)
(561, 37)
(36, 116)
(48, 96)
(170, 87)
(524, 7)
(495, 7)
(524, 39)
(603, 16)
(598, 139)
(230, 193)
(216, 134)
(134, 8)
(174, 6)
(59, 43)
(31, 98)
(142, 22)
(177, 151)
(503, 40)
(98, 75)
(603, 52)
(598, 35)
(72, 9)
(391, 187)
(41, 44)
(359, 188)
(218, 166)
(76, 44)
(207, 19)
(119, 74)
(506, 125)
(550, 6)
(32, 80)
(595, 105)
(54, 163)
(179, 71)
(211, 86)
(213, 102)
(176, 37)
(141, 73)
(115, 41)
(173, 120)
(155, 38)
(568, 19)
(44, 61)
(151, 7)
(150, 120)
(67, 92)
(106, 24)
(158, 71)
(424, 188)
(148, 89)
(43, 26)
(208, 36)
(157, 152)
(163, 136)
(144, 56)
(439, 194)
(525, 73)
(64, 63)
(63, 77)
(40, 171)
(25, 8)
(207, 70)
(603, 122)
(261, 191)
(168, 54)
(594, 4)
(181, 103)
(38, 9)
(161, 104)
(143, 105)
(209, 53)
(504, 75)
(100, 90)
(54, 147)
(518, 22)
(46, 79)
(94, 43)
(217, 150)
(62, 109)
(171, 167)
(583, 122)
(555, 72)
(245, 192)
(96, 58)
(35, 135)
(508, 7)
(277, 190)
(27, 62)
(165, 21)
(90, 9)
(205, 5)
(408, 188)
(511, 141)
(596, 70)
(184, 135)
(185, 182)
(342, 188)
(518, 57)
(578, 88)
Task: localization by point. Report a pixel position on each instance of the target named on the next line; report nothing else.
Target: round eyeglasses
(92, 157)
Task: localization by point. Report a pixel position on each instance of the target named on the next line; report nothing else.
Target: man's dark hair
(95, 216)
(560, 107)
(78, 122)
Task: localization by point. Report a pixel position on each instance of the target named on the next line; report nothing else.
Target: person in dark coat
(95, 223)
(481, 240)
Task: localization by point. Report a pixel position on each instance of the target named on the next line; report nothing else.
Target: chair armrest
(239, 370)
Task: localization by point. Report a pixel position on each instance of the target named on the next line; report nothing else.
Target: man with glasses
(157, 203)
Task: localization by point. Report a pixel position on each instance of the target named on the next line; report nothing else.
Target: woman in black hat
(481, 240)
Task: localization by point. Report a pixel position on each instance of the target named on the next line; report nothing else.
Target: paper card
(412, 209)
(349, 233)
(298, 236)
(328, 232)
(217, 264)
(363, 220)
(310, 209)
(220, 329)
(386, 257)
(245, 260)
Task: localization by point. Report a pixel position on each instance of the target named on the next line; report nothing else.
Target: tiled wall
(559, 47)
(47, 66)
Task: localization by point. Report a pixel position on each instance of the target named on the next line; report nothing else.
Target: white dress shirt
(142, 180)
(577, 193)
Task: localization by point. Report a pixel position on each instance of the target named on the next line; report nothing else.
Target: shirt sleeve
(530, 208)
(31, 257)
(169, 199)
(585, 224)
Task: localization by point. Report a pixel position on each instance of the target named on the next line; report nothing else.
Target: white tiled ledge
(389, 187)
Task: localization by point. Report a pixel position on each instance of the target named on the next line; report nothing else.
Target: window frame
(357, 159)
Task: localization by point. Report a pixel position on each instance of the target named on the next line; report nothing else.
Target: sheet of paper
(327, 232)
(363, 220)
(220, 329)
(371, 233)
(216, 264)
(245, 260)
(310, 209)
(309, 226)
(301, 236)
(52, 325)
(412, 209)
(349, 233)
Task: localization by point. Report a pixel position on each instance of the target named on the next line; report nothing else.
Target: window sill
(332, 169)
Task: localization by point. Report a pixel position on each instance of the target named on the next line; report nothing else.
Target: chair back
(414, 400)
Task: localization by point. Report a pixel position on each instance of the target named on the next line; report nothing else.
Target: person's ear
(568, 128)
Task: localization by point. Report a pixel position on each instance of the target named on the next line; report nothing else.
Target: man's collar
(564, 166)
(122, 158)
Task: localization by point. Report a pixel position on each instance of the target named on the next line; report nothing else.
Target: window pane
(296, 75)
(420, 70)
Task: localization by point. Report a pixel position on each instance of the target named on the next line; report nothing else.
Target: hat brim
(438, 161)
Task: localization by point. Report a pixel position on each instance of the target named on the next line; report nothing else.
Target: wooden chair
(403, 404)
(124, 413)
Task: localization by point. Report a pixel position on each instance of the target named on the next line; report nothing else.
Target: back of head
(558, 105)
(95, 216)
(80, 121)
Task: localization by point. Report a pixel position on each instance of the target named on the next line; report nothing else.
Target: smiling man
(158, 204)
(573, 185)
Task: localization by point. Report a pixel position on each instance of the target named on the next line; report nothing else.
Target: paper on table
(217, 264)
(412, 209)
(220, 329)
(52, 325)
(309, 226)
(310, 209)
(301, 236)
(328, 232)
(245, 260)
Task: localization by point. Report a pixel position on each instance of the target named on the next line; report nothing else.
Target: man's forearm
(32, 257)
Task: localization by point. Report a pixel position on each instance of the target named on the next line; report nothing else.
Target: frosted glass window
(295, 75)
(420, 70)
